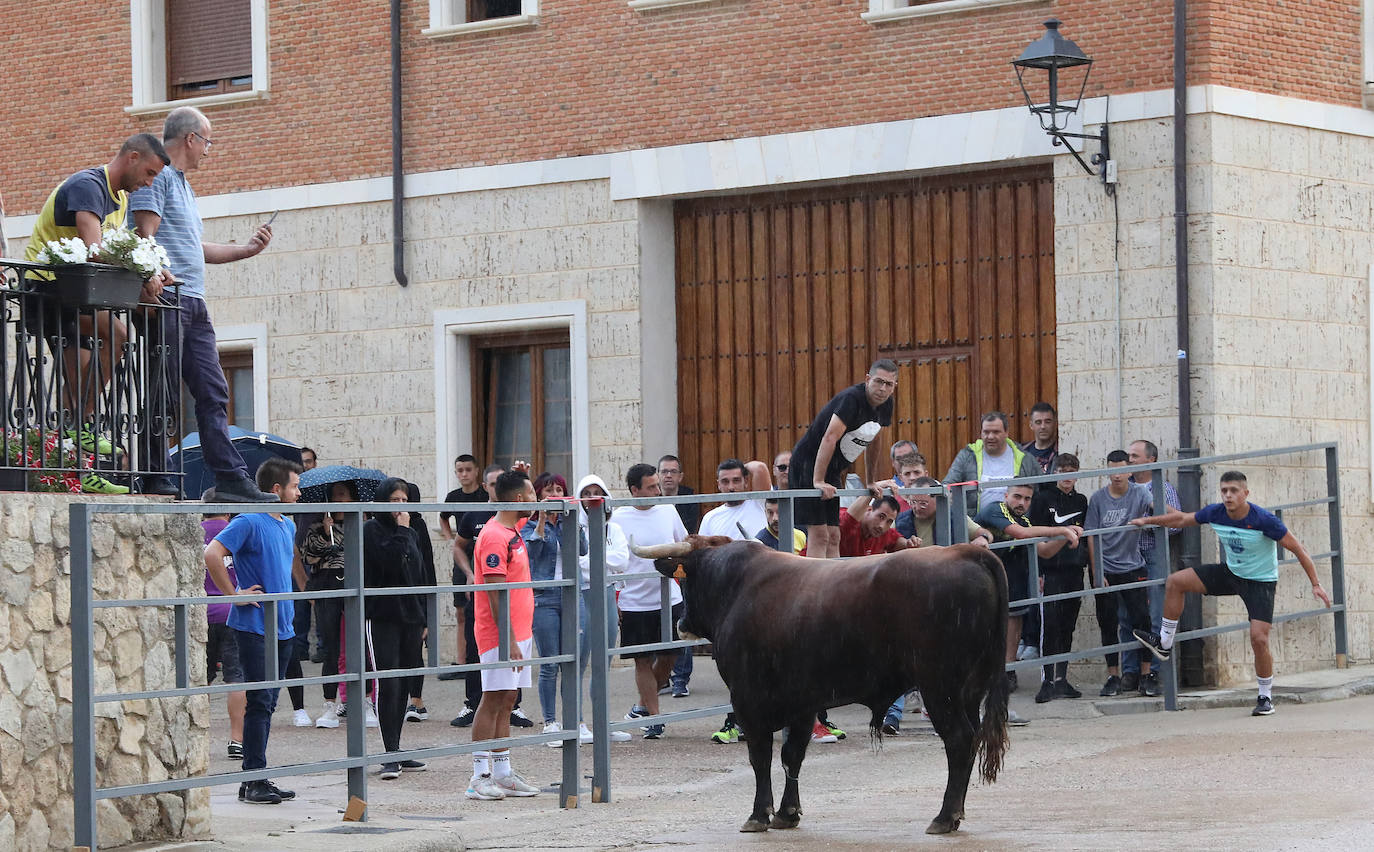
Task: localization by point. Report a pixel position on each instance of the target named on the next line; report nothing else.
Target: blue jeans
(257, 716)
(193, 359)
(1130, 660)
(897, 709)
(548, 641)
(682, 669)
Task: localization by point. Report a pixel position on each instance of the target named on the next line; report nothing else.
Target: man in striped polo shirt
(168, 211)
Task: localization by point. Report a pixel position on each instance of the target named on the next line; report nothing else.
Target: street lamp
(1057, 55)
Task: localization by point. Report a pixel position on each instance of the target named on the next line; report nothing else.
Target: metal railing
(57, 413)
(949, 529)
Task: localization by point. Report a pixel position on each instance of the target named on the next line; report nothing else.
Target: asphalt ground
(1084, 774)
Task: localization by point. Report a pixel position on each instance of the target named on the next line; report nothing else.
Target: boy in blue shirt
(1251, 536)
(262, 547)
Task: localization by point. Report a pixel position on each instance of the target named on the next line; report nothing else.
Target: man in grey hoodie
(989, 459)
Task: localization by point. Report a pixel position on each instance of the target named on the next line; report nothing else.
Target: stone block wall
(1279, 264)
(136, 741)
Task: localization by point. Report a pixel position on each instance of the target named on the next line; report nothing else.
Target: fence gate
(784, 298)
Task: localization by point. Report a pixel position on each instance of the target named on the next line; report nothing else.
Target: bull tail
(991, 739)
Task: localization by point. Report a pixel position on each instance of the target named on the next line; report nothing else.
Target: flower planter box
(82, 285)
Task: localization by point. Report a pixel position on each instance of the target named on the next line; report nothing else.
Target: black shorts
(815, 512)
(643, 628)
(222, 655)
(1258, 595)
(55, 323)
(1018, 587)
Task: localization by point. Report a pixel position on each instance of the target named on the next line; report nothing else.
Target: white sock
(1266, 687)
(481, 763)
(1167, 627)
(500, 764)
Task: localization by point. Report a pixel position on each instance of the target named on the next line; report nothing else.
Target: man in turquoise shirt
(1251, 537)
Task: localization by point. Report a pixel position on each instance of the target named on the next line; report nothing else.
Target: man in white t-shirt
(990, 459)
(728, 518)
(641, 602)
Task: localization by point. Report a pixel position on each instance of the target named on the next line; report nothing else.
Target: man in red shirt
(499, 556)
(866, 525)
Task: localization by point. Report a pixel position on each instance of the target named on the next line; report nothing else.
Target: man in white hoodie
(592, 493)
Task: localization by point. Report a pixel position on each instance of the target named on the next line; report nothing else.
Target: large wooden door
(785, 298)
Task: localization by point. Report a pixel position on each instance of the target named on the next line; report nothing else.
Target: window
(454, 17)
(197, 52)
(238, 372)
(880, 11)
(523, 386)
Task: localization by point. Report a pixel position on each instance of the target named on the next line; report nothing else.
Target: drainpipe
(1189, 476)
(398, 228)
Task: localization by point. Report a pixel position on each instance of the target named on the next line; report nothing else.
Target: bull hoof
(753, 825)
(942, 826)
(786, 820)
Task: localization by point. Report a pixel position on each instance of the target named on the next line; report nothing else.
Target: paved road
(1074, 779)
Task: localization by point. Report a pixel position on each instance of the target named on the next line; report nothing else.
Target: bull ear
(674, 567)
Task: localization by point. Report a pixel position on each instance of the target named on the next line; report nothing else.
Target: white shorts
(494, 680)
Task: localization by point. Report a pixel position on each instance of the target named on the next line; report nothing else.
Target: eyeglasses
(208, 142)
(780, 467)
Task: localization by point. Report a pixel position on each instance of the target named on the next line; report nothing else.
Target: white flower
(65, 250)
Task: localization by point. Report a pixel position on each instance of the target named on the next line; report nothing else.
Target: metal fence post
(183, 638)
(83, 679)
(786, 525)
(1333, 515)
(356, 652)
(943, 518)
(1168, 668)
(597, 620)
(958, 508)
(569, 540)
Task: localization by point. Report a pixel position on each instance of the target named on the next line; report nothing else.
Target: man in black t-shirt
(837, 437)
(469, 490)
(1063, 505)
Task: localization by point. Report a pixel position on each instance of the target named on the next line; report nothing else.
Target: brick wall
(596, 76)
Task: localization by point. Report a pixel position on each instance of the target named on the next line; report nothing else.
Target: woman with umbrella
(322, 551)
(395, 623)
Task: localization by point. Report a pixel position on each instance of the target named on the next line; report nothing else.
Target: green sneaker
(834, 730)
(726, 735)
(91, 443)
(93, 483)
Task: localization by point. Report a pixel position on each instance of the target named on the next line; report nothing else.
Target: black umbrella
(315, 484)
(255, 447)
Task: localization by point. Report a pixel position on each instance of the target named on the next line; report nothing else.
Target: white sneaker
(514, 785)
(620, 736)
(330, 717)
(370, 720)
(584, 734)
(483, 788)
(301, 719)
(552, 728)
(1028, 652)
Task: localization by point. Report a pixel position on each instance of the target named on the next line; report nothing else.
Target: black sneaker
(1130, 681)
(286, 795)
(1111, 687)
(1064, 689)
(464, 718)
(1152, 644)
(413, 765)
(390, 771)
(317, 655)
(1149, 685)
(159, 485)
(239, 491)
(1046, 693)
(416, 714)
(1264, 706)
(1011, 681)
(891, 727)
(258, 793)
(452, 675)
(518, 719)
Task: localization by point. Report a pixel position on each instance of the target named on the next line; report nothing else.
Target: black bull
(794, 636)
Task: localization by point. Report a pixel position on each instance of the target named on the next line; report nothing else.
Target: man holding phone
(168, 211)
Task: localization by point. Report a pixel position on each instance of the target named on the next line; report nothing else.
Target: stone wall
(1279, 274)
(136, 741)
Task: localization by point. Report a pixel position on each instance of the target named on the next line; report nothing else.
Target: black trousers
(1137, 609)
(328, 622)
(1057, 618)
(394, 646)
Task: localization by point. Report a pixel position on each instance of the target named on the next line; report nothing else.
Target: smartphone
(272, 218)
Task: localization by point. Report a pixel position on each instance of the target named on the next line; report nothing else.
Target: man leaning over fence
(1250, 536)
(262, 545)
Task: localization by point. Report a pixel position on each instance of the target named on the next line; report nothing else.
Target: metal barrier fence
(949, 502)
(57, 412)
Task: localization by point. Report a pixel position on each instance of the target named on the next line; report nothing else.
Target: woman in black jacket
(391, 558)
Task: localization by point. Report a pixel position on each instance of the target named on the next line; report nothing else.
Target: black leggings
(328, 622)
(394, 646)
(1057, 618)
(1137, 609)
(300, 623)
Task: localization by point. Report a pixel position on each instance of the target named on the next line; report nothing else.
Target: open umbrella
(315, 483)
(255, 447)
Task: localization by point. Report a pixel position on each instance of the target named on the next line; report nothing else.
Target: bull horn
(661, 551)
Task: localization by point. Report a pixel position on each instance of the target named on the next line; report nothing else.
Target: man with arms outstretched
(1249, 535)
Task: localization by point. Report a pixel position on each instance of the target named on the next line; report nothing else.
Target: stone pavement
(1073, 779)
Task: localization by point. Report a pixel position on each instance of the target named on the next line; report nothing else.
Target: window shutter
(208, 40)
